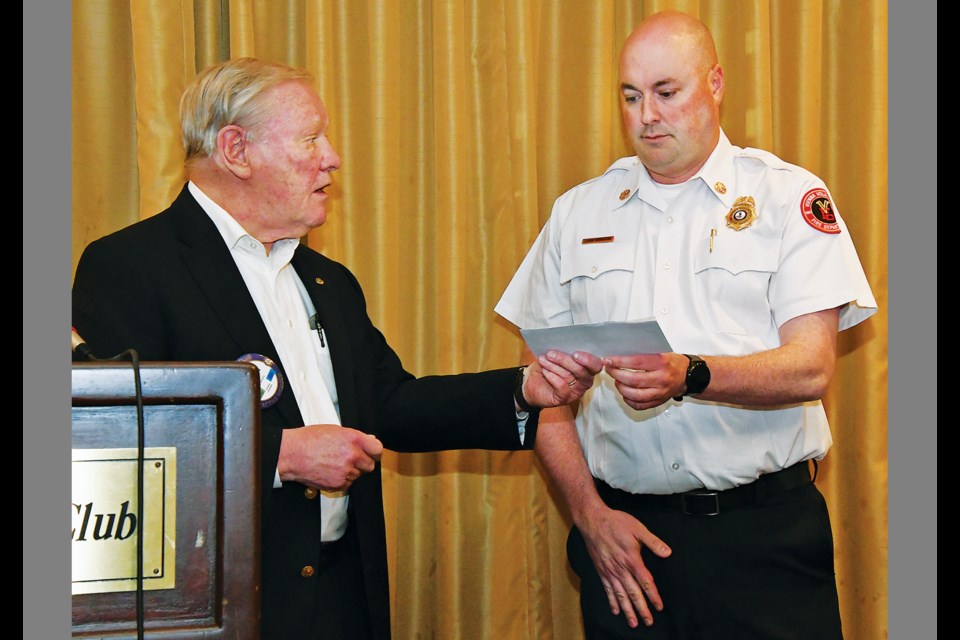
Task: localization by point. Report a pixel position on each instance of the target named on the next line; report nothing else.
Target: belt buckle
(700, 503)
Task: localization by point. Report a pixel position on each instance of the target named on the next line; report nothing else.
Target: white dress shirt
(619, 248)
(286, 310)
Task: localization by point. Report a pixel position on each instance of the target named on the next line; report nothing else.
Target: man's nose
(649, 112)
(330, 161)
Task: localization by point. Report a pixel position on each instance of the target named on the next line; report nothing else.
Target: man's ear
(717, 84)
(232, 151)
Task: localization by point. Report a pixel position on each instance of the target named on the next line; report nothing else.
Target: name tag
(597, 240)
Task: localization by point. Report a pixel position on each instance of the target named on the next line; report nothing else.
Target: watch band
(518, 391)
(698, 376)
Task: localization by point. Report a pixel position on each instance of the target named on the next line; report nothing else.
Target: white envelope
(600, 338)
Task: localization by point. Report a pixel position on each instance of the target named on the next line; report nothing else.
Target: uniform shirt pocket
(733, 279)
(599, 278)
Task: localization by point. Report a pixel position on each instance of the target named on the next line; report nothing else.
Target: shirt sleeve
(535, 296)
(819, 266)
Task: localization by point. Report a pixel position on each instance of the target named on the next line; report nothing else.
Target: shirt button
(310, 493)
(663, 310)
(593, 269)
(307, 571)
(666, 265)
(670, 219)
(675, 466)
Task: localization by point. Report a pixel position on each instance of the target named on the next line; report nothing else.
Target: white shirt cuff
(522, 417)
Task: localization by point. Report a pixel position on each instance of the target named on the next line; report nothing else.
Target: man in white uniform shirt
(688, 474)
(221, 275)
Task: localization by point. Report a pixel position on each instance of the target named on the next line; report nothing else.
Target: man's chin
(655, 155)
(655, 148)
(318, 219)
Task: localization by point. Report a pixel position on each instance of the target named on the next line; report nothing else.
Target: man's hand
(556, 378)
(647, 381)
(614, 539)
(327, 456)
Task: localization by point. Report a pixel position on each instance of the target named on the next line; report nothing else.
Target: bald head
(671, 87)
(679, 32)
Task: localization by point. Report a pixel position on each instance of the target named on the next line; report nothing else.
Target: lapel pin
(271, 380)
(319, 281)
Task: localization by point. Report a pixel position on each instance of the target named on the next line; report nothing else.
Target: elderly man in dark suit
(221, 275)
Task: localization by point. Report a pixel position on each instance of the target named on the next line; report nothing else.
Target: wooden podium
(201, 500)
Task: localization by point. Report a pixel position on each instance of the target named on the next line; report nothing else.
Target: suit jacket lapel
(320, 286)
(216, 273)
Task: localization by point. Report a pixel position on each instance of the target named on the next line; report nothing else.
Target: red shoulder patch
(818, 211)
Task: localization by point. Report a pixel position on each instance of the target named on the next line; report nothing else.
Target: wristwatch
(525, 407)
(698, 376)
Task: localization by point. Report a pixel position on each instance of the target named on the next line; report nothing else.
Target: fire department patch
(818, 211)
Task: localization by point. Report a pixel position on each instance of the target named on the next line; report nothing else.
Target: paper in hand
(600, 339)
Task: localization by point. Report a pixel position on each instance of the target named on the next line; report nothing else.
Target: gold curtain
(459, 122)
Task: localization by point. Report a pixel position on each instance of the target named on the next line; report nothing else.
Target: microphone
(79, 346)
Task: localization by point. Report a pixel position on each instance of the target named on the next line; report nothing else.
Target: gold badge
(625, 194)
(742, 214)
(720, 187)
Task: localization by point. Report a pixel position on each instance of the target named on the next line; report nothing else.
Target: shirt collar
(630, 176)
(232, 233)
(717, 173)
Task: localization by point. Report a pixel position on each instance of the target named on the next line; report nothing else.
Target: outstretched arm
(799, 370)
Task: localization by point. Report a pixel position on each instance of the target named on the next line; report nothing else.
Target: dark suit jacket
(168, 287)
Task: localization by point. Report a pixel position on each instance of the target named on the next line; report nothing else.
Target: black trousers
(761, 571)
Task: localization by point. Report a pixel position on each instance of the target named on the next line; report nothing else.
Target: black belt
(701, 502)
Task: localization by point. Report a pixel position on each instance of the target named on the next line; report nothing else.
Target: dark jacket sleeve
(434, 412)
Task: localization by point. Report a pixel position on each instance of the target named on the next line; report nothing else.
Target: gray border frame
(913, 317)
